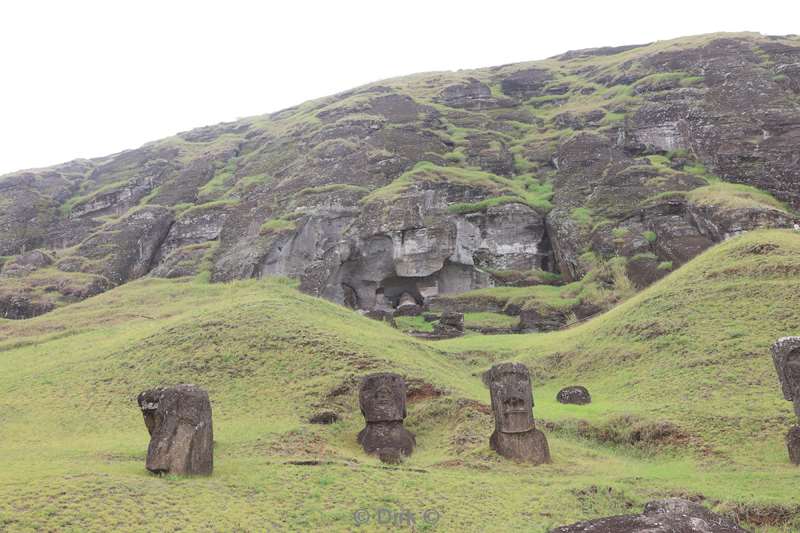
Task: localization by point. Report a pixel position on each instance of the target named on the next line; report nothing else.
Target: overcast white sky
(86, 79)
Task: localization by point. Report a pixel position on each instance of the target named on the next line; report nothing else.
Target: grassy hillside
(686, 402)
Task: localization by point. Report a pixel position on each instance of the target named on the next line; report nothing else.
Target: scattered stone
(25, 263)
(672, 515)
(515, 435)
(793, 444)
(450, 325)
(381, 315)
(181, 436)
(382, 398)
(575, 394)
(324, 417)
(431, 317)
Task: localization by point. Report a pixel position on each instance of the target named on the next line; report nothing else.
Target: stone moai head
(512, 397)
(382, 397)
(181, 436)
(786, 356)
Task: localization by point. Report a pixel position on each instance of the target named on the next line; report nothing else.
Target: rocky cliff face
(438, 183)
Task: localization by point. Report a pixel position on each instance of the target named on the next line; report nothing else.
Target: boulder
(181, 435)
(324, 417)
(672, 515)
(450, 325)
(575, 394)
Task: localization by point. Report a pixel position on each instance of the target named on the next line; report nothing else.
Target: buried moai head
(382, 397)
(786, 356)
(512, 397)
(181, 436)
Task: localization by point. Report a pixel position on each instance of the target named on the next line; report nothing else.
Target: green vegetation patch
(526, 189)
(277, 225)
(735, 196)
(680, 375)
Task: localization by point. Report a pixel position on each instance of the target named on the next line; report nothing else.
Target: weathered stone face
(515, 435)
(786, 356)
(382, 398)
(383, 402)
(512, 397)
(181, 436)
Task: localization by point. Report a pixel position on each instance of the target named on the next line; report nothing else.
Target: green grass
(334, 187)
(524, 189)
(735, 196)
(413, 323)
(691, 350)
(276, 225)
(484, 319)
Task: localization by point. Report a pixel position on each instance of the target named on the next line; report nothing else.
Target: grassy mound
(685, 403)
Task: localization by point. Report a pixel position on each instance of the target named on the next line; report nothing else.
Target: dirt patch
(419, 391)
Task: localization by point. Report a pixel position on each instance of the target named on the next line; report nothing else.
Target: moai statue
(382, 398)
(515, 435)
(181, 437)
(786, 356)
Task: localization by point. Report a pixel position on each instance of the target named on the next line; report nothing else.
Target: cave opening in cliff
(393, 287)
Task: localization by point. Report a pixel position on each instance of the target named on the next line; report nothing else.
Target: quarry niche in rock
(515, 435)
(382, 399)
(181, 435)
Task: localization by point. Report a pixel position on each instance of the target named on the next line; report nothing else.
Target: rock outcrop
(663, 516)
(576, 394)
(446, 182)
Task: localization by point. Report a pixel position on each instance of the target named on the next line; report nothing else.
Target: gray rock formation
(450, 325)
(181, 435)
(382, 398)
(515, 435)
(672, 515)
(438, 183)
(576, 394)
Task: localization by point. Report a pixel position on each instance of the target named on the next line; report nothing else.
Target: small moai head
(512, 397)
(382, 397)
(181, 436)
(786, 356)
